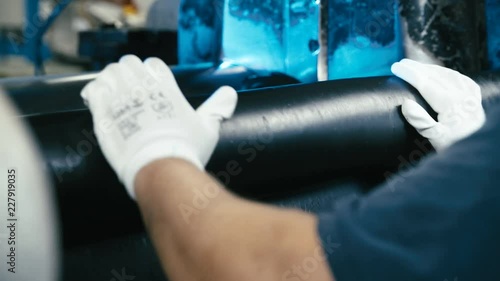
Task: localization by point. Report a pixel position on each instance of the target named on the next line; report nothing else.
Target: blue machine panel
(363, 38)
(360, 38)
(273, 35)
(200, 23)
(493, 26)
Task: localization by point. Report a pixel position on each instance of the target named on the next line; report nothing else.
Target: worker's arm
(159, 145)
(203, 232)
(152, 137)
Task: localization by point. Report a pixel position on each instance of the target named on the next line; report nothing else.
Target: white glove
(140, 115)
(455, 98)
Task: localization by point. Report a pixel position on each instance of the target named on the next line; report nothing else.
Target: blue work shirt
(439, 221)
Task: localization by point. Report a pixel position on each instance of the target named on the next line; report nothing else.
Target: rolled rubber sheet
(280, 140)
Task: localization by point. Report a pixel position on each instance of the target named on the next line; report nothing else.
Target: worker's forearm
(202, 232)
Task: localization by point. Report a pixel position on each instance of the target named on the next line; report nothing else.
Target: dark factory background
(46, 45)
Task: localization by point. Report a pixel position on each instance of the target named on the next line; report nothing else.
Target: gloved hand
(140, 115)
(455, 98)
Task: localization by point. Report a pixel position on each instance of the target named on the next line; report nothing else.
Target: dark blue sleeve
(439, 221)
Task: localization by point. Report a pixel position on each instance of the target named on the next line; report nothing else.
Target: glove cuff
(153, 152)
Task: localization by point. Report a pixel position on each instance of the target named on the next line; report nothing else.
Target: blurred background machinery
(309, 40)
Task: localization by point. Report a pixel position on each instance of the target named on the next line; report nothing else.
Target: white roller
(36, 231)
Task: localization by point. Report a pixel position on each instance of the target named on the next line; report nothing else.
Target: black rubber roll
(280, 140)
(49, 94)
(293, 134)
(282, 134)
